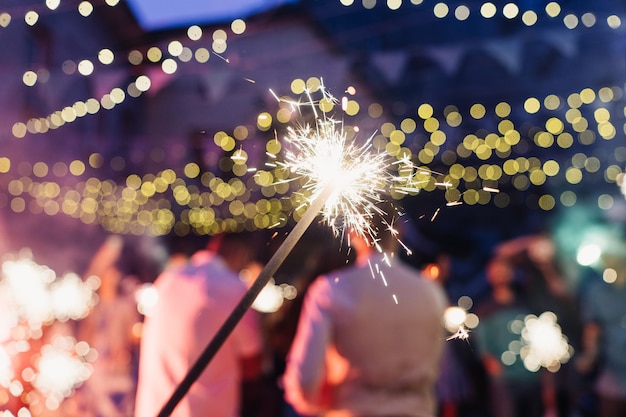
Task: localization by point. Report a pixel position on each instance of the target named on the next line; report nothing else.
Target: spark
(386, 259)
(491, 190)
(61, 370)
(238, 155)
(435, 214)
(250, 80)
(371, 269)
(32, 298)
(322, 156)
(221, 57)
(462, 333)
(543, 343)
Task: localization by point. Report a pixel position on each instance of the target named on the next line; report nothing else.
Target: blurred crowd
(357, 332)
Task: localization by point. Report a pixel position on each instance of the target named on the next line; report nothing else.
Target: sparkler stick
(244, 304)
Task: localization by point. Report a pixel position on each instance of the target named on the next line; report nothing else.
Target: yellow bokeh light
(510, 10)
(588, 19)
(568, 198)
(397, 137)
(430, 125)
(425, 111)
(194, 32)
(85, 8)
(5, 164)
(505, 126)
(408, 125)
(375, 111)
(488, 10)
(587, 96)
(570, 21)
(313, 84)
(273, 147)
(31, 17)
(614, 21)
(169, 66)
(454, 119)
(77, 168)
(326, 105)
(438, 138)
(238, 26)
(441, 10)
(503, 109)
(192, 170)
(546, 202)
(532, 105)
(202, 55)
(298, 86)
(606, 94)
(554, 126)
(477, 111)
(551, 168)
(553, 9)
(605, 202)
(106, 56)
(529, 17)
(394, 4)
(573, 175)
(462, 12)
(29, 78)
(154, 54)
(352, 108)
(264, 121)
(552, 102)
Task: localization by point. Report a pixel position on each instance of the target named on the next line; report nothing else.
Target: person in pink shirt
(194, 300)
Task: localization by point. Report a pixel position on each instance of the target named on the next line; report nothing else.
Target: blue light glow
(167, 14)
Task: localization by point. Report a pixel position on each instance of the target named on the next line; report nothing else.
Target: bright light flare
(61, 369)
(453, 318)
(27, 285)
(71, 298)
(270, 299)
(588, 254)
(32, 298)
(323, 157)
(545, 345)
(35, 294)
(146, 298)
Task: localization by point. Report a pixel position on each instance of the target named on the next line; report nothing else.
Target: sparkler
(342, 180)
(543, 343)
(32, 298)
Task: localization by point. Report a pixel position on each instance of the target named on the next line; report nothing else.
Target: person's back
(193, 303)
(382, 325)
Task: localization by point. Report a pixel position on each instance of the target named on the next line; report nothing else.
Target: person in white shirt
(194, 301)
(369, 340)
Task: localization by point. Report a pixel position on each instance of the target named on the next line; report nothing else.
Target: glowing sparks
(462, 333)
(455, 320)
(322, 156)
(435, 214)
(32, 298)
(60, 370)
(34, 294)
(543, 344)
